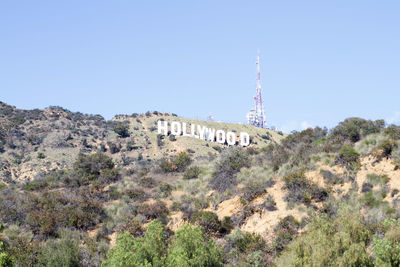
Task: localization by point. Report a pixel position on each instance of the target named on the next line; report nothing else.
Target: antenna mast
(256, 116)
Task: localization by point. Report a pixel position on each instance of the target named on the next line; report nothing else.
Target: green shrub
(208, 221)
(165, 189)
(122, 130)
(5, 259)
(252, 190)
(226, 225)
(285, 232)
(176, 164)
(338, 241)
(387, 248)
(190, 248)
(95, 166)
(192, 173)
(269, 203)
(230, 163)
(387, 146)
(41, 155)
(376, 179)
(60, 252)
(301, 189)
(172, 138)
(147, 251)
(348, 157)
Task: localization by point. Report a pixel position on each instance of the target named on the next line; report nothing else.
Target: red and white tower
(256, 116)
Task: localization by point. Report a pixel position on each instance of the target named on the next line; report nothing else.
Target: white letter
(184, 129)
(163, 127)
(220, 136)
(210, 134)
(202, 130)
(244, 139)
(231, 138)
(192, 129)
(176, 128)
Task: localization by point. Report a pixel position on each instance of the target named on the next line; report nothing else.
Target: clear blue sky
(321, 61)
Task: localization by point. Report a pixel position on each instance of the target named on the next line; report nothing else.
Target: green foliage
(95, 166)
(387, 146)
(189, 248)
(131, 252)
(5, 259)
(192, 173)
(285, 232)
(230, 163)
(353, 129)
(165, 189)
(338, 241)
(41, 155)
(252, 190)
(393, 132)
(301, 189)
(122, 130)
(376, 179)
(243, 248)
(176, 164)
(208, 221)
(172, 138)
(348, 157)
(60, 252)
(387, 248)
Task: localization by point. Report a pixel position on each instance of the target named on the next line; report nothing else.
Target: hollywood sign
(202, 132)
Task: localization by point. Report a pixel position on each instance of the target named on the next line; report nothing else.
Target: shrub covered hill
(78, 190)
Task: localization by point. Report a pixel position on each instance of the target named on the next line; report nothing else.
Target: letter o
(176, 128)
(220, 134)
(231, 138)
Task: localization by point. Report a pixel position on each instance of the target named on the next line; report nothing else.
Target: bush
(5, 259)
(41, 155)
(192, 173)
(285, 232)
(153, 211)
(95, 166)
(172, 138)
(348, 157)
(376, 179)
(165, 189)
(122, 130)
(176, 164)
(387, 146)
(331, 178)
(300, 189)
(60, 252)
(230, 163)
(252, 190)
(190, 248)
(387, 248)
(269, 203)
(147, 251)
(339, 241)
(208, 221)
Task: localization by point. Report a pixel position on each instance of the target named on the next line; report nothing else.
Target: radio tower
(256, 116)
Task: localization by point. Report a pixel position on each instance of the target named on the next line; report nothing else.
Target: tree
(189, 248)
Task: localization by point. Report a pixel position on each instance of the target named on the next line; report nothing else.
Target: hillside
(85, 191)
(59, 135)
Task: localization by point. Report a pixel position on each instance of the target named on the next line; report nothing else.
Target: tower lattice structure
(256, 116)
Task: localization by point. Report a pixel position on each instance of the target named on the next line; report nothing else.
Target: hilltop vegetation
(78, 190)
